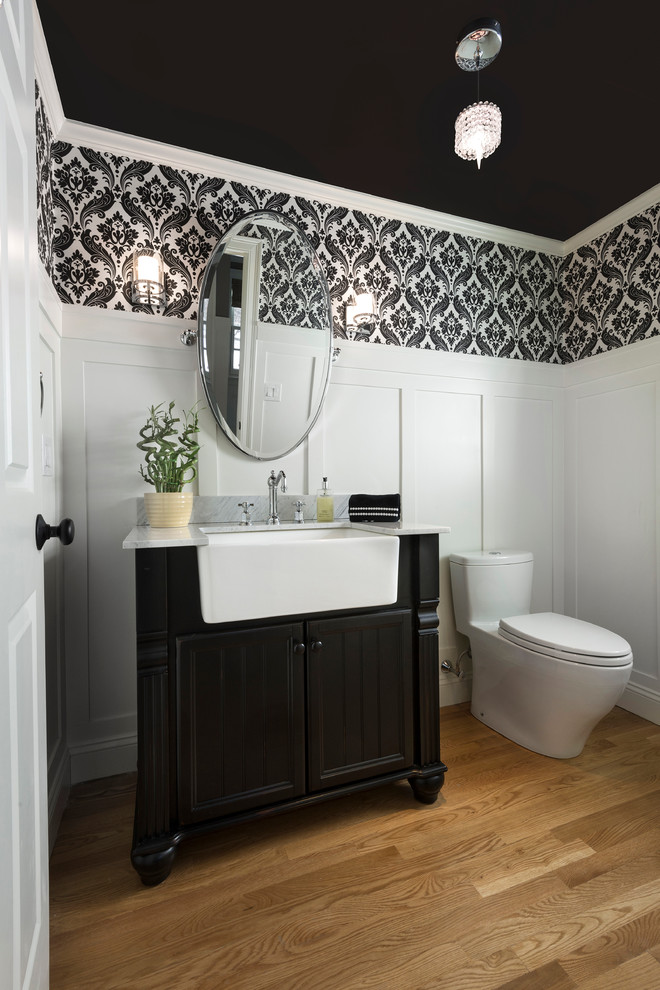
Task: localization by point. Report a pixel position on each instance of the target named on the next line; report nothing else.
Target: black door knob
(299, 648)
(65, 532)
(317, 645)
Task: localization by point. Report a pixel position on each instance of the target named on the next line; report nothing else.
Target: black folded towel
(374, 508)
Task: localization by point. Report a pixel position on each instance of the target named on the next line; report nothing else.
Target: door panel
(241, 720)
(360, 697)
(23, 764)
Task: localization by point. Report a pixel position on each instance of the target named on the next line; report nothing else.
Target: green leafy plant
(170, 450)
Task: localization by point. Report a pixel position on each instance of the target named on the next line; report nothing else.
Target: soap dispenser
(325, 504)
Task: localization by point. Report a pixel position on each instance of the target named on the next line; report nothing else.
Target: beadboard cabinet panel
(360, 694)
(241, 720)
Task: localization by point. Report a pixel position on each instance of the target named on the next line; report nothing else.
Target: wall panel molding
(107, 388)
(612, 531)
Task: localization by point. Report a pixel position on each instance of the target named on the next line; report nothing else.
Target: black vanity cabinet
(243, 720)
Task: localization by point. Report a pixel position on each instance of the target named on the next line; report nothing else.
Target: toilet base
(521, 739)
(548, 705)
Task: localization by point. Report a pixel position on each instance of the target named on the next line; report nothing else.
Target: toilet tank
(490, 584)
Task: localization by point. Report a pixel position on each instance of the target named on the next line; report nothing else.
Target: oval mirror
(265, 335)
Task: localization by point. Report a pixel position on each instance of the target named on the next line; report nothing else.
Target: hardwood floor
(527, 874)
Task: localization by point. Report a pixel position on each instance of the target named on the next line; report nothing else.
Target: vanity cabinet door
(360, 697)
(240, 720)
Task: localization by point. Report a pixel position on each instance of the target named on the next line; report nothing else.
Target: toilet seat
(566, 638)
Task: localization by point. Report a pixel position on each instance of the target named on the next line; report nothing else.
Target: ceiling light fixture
(479, 126)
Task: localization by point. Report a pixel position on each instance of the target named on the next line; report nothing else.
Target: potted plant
(170, 451)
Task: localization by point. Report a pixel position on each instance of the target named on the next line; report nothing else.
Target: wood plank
(575, 923)
(610, 949)
(640, 973)
(509, 867)
(582, 870)
(549, 977)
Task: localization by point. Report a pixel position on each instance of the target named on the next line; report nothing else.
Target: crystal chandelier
(478, 131)
(479, 126)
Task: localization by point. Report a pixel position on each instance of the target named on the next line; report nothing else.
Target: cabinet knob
(317, 645)
(299, 648)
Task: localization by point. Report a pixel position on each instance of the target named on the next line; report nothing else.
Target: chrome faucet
(273, 482)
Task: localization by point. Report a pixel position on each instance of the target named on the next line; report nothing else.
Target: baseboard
(454, 690)
(103, 759)
(641, 701)
(59, 776)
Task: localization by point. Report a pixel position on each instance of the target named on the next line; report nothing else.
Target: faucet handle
(246, 506)
(298, 506)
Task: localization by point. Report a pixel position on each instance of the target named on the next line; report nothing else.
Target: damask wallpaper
(436, 290)
(44, 187)
(611, 289)
(291, 292)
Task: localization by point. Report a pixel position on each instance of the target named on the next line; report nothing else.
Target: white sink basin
(257, 573)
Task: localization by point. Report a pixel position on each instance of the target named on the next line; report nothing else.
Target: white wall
(612, 486)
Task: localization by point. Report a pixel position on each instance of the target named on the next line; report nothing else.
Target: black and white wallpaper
(610, 289)
(291, 290)
(436, 290)
(44, 186)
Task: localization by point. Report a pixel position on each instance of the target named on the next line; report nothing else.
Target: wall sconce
(148, 278)
(360, 312)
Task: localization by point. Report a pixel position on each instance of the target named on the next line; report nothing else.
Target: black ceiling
(364, 94)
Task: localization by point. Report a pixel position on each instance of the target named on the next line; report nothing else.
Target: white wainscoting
(108, 384)
(612, 485)
(475, 443)
(476, 450)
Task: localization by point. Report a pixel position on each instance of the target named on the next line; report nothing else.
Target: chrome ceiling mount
(478, 44)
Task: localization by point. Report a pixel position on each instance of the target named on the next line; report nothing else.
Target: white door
(23, 771)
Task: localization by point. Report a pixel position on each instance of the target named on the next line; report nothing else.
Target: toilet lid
(567, 638)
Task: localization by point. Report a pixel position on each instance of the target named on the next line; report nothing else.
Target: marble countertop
(145, 537)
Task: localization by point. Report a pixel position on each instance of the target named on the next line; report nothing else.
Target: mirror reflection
(265, 335)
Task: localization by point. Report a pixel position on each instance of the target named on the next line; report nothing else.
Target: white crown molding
(85, 135)
(642, 202)
(45, 75)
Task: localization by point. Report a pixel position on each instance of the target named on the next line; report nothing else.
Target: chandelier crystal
(478, 131)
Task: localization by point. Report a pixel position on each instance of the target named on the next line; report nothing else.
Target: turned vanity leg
(153, 867)
(426, 789)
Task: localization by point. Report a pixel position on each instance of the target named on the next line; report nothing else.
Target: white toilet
(543, 680)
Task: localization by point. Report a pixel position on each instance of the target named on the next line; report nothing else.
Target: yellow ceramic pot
(166, 510)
